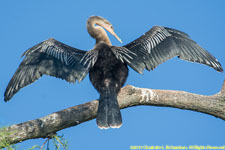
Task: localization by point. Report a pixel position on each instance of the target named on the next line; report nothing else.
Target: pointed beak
(112, 32)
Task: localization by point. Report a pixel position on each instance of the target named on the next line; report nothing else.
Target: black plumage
(108, 75)
(106, 64)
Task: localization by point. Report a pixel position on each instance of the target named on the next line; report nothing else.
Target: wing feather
(160, 44)
(52, 58)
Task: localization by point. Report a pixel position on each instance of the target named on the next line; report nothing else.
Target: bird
(106, 64)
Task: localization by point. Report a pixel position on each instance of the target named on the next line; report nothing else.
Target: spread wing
(160, 44)
(52, 58)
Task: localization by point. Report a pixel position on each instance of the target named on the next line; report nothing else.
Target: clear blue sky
(25, 23)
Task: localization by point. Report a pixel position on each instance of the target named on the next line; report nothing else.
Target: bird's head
(99, 22)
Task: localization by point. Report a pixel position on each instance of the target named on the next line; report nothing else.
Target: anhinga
(106, 64)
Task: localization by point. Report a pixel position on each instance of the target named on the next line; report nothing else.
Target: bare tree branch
(128, 97)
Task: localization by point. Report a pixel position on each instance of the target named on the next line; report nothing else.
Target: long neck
(97, 32)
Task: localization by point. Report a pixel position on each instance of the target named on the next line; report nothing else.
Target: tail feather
(108, 115)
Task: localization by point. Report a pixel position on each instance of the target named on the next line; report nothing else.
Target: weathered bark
(128, 97)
